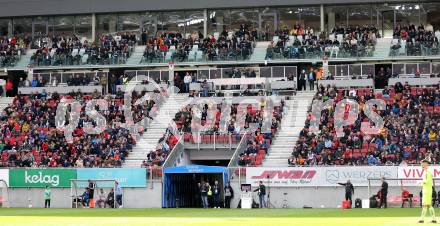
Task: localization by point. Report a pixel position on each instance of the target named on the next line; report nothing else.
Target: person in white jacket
(187, 80)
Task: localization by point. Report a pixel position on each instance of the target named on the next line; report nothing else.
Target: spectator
(91, 188)
(311, 79)
(383, 193)
(204, 194)
(118, 192)
(216, 190)
(101, 199)
(47, 197)
(349, 191)
(187, 80)
(302, 80)
(85, 198)
(406, 197)
(261, 191)
(229, 195)
(110, 201)
(9, 87)
(205, 88)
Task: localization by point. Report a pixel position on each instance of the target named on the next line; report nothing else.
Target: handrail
(177, 150)
(240, 147)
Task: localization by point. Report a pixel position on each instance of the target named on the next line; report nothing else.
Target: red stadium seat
(206, 139)
(233, 139)
(187, 137)
(430, 109)
(221, 138)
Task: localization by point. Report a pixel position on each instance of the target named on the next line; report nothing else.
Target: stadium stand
(11, 49)
(29, 137)
(304, 43)
(257, 143)
(65, 50)
(410, 130)
(414, 41)
(228, 45)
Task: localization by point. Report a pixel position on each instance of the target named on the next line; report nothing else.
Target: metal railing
(214, 142)
(174, 157)
(216, 73)
(240, 149)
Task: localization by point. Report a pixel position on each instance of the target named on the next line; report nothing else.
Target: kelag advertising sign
(41, 177)
(126, 177)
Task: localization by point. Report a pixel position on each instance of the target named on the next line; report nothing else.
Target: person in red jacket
(9, 88)
(406, 197)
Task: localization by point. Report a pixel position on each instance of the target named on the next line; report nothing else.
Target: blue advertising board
(126, 177)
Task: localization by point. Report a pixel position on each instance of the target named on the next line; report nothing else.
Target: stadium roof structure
(11, 8)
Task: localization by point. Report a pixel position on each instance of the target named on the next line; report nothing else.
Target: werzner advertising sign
(318, 176)
(41, 177)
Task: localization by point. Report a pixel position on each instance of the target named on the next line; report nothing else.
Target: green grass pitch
(210, 217)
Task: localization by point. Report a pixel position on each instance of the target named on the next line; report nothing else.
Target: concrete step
(155, 130)
(291, 125)
(276, 163)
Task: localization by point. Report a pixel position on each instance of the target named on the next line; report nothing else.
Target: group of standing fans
(11, 48)
(72, 50)
(227, 45)
(300, 42)
(211, 195)
(29, 138)
(415, 40)
(410, 132)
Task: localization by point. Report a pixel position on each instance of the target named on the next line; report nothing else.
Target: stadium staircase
(260, 50)
(382, 48)
(4, 102)
(25, 59)
(291, 125)
(136, 56)
(155, 130)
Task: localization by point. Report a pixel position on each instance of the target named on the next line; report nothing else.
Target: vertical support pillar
(10, 27)
(322, 16)
(205, 22)
(394, 20)
(93, 27)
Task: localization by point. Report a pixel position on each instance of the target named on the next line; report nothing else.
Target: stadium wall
(319, 197)
(147, 197)
(315, 197)
(295, 186)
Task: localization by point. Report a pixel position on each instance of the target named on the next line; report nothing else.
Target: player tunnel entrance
(180, 187)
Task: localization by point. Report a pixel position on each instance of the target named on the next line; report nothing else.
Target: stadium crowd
(415, 41)
(71, 50)
(11, 48)
(257, 142)
(303, 42)
(228, 45)
(29, 138)
(410, 133)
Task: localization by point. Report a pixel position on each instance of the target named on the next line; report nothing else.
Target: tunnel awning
(170, 186)
(196, 169)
